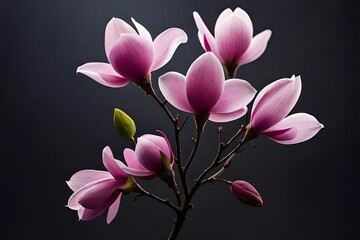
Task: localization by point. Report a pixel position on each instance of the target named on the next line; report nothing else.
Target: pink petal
(132, 56)
(88, 214)
(233, 37)
(131, 160)
(162, 143)
(245, 17)
(274, 102)
(143, 32)
(134, 171)
(113, 209)
(168, 146)
(204, 82)
(236, 95)
(103, 73)
(98, 195)
(256, 48)
(172, 86)
(148, 154)
(206, 34)
(110, 164)
(113, 30)
(305, 127)
(221, 18)
(73, 202)
(165, 45)
(227, 117)
(81, 178)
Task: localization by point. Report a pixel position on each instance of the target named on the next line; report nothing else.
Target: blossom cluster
(209, 91)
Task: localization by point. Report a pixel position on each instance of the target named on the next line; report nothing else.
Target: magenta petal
(221, 18)
(204, 83)
(227, 117)
(236, 95)
(233, 37)
(73, 202)
(245, 18)
(110, 164)
(165, 45)
(168, 146)
(99, 194)
(172, 86)
(160, 142)
(131, 160)
(132, 56)
(148, 154)
(81, 178)
(143, 32)
(135, 171)
(256, 48)
(204, 33)
(274, 102)
(113, 209)
(103, 73)
(113, 30)
(88, 214)
(305, 127)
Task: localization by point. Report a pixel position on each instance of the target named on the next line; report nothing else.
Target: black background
(55, 123)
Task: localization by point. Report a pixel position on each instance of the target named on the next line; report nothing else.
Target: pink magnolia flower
(95, 190)
(132, 55)
(273, 104)
(205, 91)
(246, 193)
(233, 44)
(152, 156)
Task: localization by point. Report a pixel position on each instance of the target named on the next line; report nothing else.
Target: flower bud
(124, 125)
(246, 193)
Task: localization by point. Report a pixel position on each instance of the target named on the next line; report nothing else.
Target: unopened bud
(246, 193)
(124, 125)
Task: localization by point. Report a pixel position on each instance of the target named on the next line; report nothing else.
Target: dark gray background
(55, 122)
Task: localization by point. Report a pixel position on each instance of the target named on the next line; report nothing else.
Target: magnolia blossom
(204, 90)
(273, 104)
(233, 44)
(95, 190)
(246, 193)
(132, 55)
(152, 156)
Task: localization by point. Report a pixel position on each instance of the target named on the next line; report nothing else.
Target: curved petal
(245, 17)
(274, 102)
(227, 117)
(88, 214)
(233, 37)
(83, 177)
(221, 18)
(236, 95)
(135, 171)
(98, 195)
(204, 83)
(160, 142)
(110, 164)
(73, 202)
(172, 86)
(256, 48)
(143, 32)
(113, 209)
(103, 73)
(168, 146)
(132, 56)
(165, 46)
(113, 30)
(205, 34)
(131, 160)
(148, 154)
(305, 127)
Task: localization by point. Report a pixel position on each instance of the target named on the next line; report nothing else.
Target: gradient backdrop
(55, 123)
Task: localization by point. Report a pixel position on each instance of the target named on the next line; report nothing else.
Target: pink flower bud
(246, 193)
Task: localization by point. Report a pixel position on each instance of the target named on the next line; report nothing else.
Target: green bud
(124, 125)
